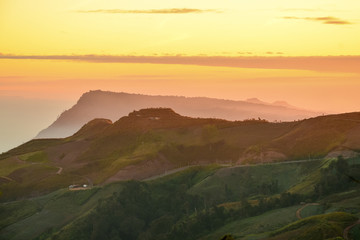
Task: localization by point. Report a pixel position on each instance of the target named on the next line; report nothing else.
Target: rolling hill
(195, 203)
(195, 178)
(151, 142)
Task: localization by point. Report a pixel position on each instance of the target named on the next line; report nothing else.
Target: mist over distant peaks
(114, 105)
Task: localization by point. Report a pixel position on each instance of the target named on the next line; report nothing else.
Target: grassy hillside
(151, 142)
(195, 203)
(325, 226)
(195, 179)
(26, 219)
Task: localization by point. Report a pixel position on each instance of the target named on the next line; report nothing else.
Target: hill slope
(111, 105)
(195, 182)
(151, 142)
(181, 206)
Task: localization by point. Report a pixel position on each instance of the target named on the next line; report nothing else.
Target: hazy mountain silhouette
(111, 105)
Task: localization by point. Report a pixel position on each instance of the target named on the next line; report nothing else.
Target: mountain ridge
(149, 142)
(112, 105)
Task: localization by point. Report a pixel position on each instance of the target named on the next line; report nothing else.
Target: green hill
(151, 142)
(195, 203)
(327, 226)
(191, 178)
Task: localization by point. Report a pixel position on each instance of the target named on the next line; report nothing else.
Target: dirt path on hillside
(298, 212)
(224, 165)
(24, 162)
(150, 170)
(19, 160)
(346, 230)
(272, 163)
(59, 171)
(7, 178)
(167, 173)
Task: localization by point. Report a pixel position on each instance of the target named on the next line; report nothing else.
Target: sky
(304, 52)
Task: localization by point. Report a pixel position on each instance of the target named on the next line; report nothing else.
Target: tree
(209, 133)
(227, 237)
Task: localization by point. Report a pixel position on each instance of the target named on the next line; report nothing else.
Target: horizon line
(333, 63)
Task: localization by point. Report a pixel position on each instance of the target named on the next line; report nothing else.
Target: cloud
(243, 53)
(299, 9)
(152, 11)
(348, 64)
(324, 20)
(273, 53)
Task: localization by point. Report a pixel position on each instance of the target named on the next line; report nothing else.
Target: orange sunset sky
(304, 52)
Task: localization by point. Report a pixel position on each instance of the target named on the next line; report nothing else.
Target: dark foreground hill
(203, 202)
(111, 105)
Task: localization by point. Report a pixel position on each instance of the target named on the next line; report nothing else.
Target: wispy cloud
(324, 20)
(299, 9)
(348, 64)
(152, 11)
(273, 53)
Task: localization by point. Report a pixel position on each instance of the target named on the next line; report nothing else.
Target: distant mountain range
(112, 105)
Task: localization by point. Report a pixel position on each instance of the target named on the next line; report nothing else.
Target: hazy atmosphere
(179, 120)
(305, 53)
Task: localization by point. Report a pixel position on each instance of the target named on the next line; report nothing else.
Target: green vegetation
(210, 198)
(31, 146)
(317, 227)
(355, 232)
(34, 157)
(182, 206)
(9, 165)
(257, 226)
(312, 210)
(101, 150)
(338, 176)
(43, 215)
(12, 212)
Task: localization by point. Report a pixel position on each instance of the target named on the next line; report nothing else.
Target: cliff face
(111, 105)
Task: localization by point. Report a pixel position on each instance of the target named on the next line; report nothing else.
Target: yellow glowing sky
(177, 48)
(278, 28)
(58, 27)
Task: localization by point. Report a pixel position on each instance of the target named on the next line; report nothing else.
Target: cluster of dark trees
(165, 210)
(338, 176)
(138, 211)
(144, 211)
(251, 188)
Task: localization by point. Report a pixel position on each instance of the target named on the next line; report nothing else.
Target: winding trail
(347, 229)
(175, 170)
(7, 178)
(59, 171)
(226, 165)
(169, 172)
(298, 212)
(19, 160)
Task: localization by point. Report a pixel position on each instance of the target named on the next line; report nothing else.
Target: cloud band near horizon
(349, 64)
(324, 20)
(151, 11)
